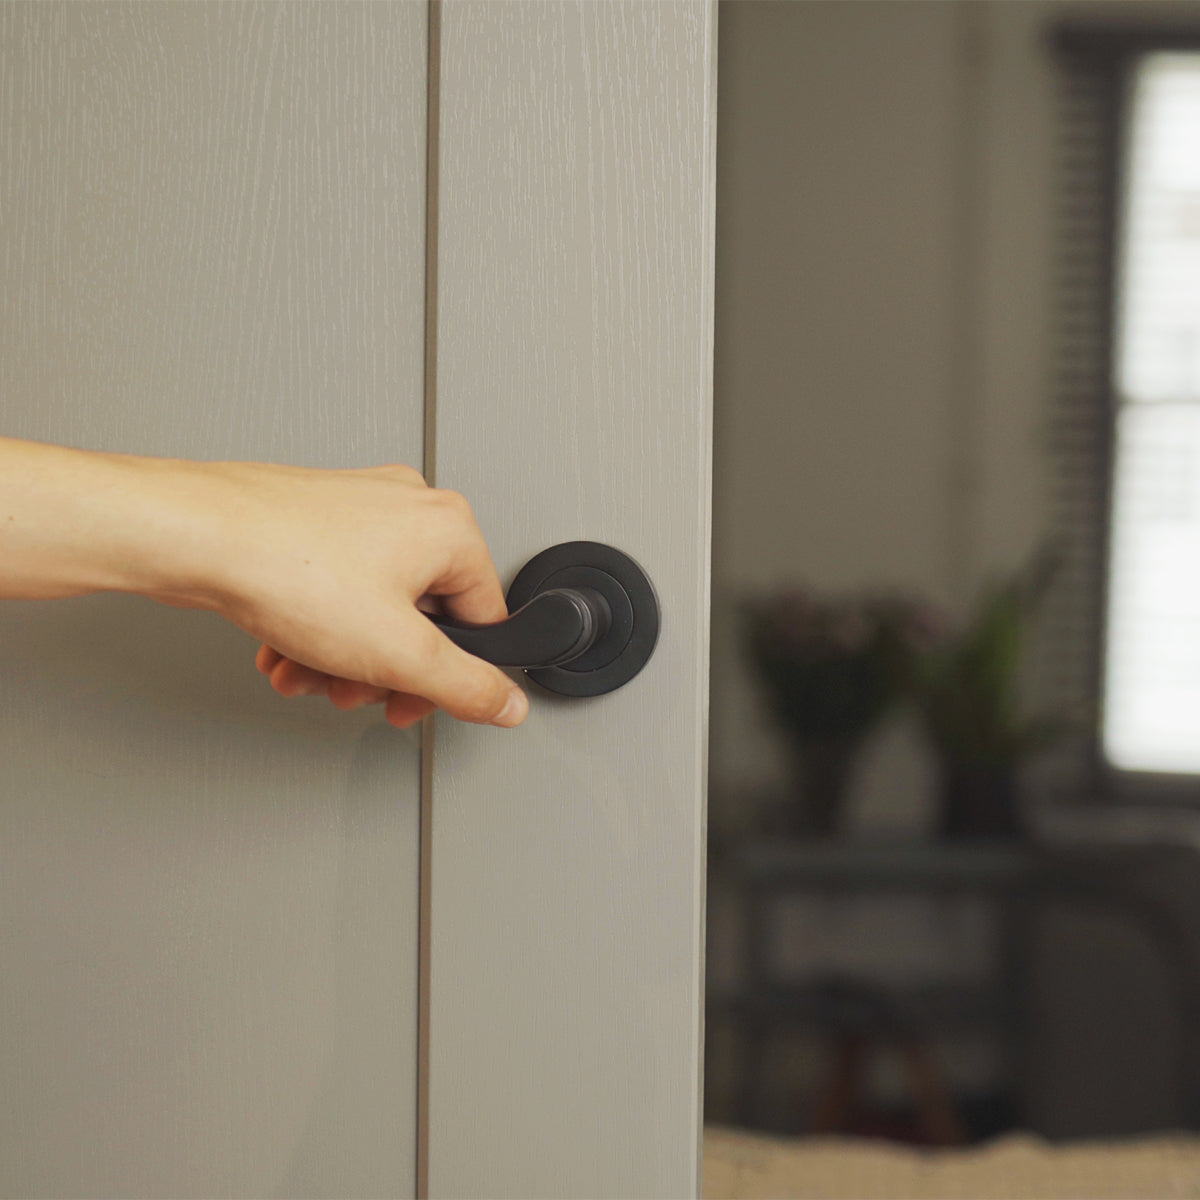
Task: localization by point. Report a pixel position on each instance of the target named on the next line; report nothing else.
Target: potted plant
(967, 688)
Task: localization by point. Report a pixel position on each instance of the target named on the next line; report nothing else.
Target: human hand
(334, 571)
(327, 568)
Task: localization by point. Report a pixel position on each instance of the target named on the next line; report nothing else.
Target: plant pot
(823, 771)
(979, 801)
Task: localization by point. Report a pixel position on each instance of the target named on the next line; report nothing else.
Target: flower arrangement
(829, 669)
(826, 664)
(832, 668)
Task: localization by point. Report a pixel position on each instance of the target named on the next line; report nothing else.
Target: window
(1124, 626)
(1152, 663)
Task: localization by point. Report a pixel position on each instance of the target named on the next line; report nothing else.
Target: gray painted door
(212, 244)
(212, 240)
(574, 380)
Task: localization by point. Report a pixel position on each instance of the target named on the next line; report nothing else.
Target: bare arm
(324, 567)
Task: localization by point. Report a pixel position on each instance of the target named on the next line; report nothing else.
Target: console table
(1019, 876)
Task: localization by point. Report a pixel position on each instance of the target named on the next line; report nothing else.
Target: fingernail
(515, 710)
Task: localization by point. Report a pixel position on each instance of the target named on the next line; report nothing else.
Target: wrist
(178, 543)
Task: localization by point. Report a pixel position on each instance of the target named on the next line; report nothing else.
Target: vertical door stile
(574, 327)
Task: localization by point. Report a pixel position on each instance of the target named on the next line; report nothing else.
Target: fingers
(468, 586)
(290, 678)
(482, 694)
(404, 710)
(348, 694)
(297, 680)
(481, 603)
(428, 664)
(266, 658)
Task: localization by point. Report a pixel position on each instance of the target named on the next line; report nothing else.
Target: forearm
(324, 567)
(75, 521)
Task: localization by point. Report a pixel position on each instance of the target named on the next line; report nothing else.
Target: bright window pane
(1152, 669)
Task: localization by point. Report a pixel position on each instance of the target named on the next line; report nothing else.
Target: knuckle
(401, 473)
(407, 474)
(454, 503)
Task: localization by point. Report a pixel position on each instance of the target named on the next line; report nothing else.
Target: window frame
(1112, 52)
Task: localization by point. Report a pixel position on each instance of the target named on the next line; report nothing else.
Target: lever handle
(555, 627)
(584, 621)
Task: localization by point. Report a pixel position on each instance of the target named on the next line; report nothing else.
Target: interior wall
(834, 361)
(883, 227)
(883, 235)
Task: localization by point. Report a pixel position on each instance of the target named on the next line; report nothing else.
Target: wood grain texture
(574, 385)
(211, 246)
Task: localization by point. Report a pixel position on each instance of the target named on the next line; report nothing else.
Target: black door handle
(584, 620)
(553, 628)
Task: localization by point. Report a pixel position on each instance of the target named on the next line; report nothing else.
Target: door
(256, 947)
(212, 245)
(574, 375)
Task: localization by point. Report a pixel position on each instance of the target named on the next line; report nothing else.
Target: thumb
(466, 687)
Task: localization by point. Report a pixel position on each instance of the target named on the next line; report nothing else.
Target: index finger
(469, 589)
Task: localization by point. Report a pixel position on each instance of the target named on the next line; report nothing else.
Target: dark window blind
(1086, 158)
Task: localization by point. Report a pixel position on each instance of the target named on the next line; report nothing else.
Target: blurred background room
(954, 863)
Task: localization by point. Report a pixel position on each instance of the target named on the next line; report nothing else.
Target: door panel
(574, 384)
(211, 245)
